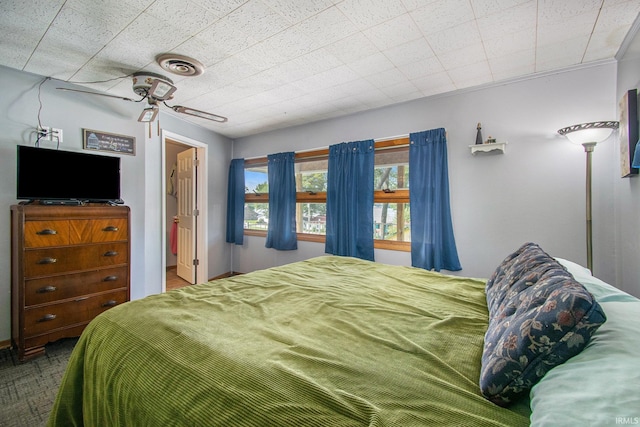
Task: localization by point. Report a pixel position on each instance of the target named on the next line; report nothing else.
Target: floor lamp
(588, 135)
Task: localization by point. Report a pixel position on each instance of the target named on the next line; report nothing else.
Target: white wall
(534, 192)
(141, 174)
(627, 190)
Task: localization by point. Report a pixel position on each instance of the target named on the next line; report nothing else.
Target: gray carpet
(28, 390)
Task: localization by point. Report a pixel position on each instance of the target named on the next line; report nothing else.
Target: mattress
(330, 341)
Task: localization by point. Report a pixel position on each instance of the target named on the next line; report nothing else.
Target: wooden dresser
(68, 264)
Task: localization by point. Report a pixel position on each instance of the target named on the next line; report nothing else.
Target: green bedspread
(330, 341)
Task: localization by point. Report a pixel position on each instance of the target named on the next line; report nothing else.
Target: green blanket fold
(330, 341)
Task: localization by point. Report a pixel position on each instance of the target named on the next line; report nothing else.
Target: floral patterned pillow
(539, 317)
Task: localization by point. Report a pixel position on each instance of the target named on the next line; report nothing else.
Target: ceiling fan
(156, 89)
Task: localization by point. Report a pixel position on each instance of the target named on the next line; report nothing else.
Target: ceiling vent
(180, 65)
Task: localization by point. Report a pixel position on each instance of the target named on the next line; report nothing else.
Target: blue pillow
(539, 317)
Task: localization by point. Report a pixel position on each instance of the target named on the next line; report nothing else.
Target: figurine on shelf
(479, 134)
(490, 140)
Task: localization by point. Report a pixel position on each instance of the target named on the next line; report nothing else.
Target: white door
(187, 211)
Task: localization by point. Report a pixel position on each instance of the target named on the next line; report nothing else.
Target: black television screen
(45, 174)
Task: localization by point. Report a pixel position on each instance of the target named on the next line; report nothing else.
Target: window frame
(379, 196)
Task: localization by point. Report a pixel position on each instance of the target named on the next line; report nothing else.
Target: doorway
(175, 191)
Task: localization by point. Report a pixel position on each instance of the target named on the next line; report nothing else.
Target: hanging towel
(173, 238)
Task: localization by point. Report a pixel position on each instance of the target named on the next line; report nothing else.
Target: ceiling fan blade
(99, 94)
(198, 113)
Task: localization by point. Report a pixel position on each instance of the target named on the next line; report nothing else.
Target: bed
(330, 341)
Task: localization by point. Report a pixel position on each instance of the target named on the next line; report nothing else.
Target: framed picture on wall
(106, 141)
(628, 132)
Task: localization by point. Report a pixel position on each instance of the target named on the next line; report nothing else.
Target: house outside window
(391, 195)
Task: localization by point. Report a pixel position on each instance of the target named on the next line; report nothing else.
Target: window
(391, 197)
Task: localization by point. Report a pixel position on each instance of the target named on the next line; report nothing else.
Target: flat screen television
(57, 175)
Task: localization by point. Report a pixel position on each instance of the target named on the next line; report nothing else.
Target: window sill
(390, 245)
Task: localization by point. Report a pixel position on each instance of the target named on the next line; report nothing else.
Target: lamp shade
(592, 132)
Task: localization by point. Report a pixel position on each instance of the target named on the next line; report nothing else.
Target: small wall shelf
(485, 148)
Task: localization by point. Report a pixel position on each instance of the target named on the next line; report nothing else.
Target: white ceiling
(277, 63)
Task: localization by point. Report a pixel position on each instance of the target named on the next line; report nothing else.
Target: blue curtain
(432, 243)
(235, 202)
(281, 233)
(350, 200)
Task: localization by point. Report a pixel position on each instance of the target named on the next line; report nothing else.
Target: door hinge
(196, 262)
(196, 163)
(196, 212)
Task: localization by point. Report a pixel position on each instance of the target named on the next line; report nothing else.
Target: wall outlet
(56, 135)
(44, 133)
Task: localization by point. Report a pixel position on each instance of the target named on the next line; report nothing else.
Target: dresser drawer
(43, 319)
(41, 291)
(39, 234)
(98, 230)
(40, 262)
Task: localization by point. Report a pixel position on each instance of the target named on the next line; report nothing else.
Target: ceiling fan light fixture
(148, 114)
(199, 113)
(161, 90)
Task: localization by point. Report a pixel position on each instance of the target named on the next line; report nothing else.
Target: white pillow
(601, 385)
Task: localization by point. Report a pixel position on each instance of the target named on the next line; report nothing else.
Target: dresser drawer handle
(110, 279)
(111, 253)
(109, 303)
(46, 289)
(47, 260)
(110, 228)
(46, 232)
(47, 317)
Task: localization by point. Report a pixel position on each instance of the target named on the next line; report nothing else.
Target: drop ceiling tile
(377, 11)
(147, 37)
(220, 7)
(518, 41)
(55, 61)
(442, 14)
(394, 32)
(40, 11)
(257, 20)
(604, 45)
(556, 11)
(483, 8)
(352, 48)
(422, 68)
(124, 53)
(471, 75)
(401, 91)
(617, 17)
(226, 36)
(14, 54)
(389, 78)
(110, 11)
(556, 32)
(461, 57)
(513, 64)
(328, 26)
(261, 58)
(371, 64)
(307, 65)
(83, 28)
(189, 17)
(509, 21)
(559, 55)
(296, 11)
(288, 44)
(434, 84)
(205, 52)
(454, 38)
(413, 51)
(412, 5)
(329, 78)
